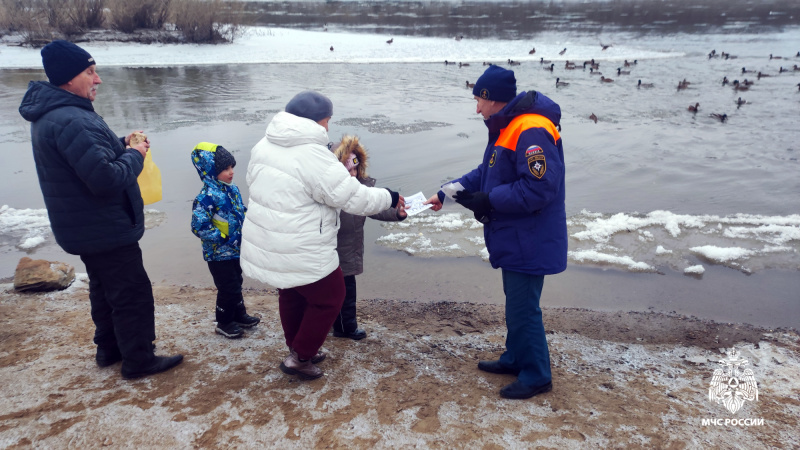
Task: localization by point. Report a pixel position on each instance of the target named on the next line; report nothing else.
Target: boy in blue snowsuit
(217, 217)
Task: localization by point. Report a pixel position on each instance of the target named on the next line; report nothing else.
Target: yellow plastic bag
(150, 180)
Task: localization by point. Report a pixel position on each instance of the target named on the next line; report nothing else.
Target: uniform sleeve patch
(533, 150)
(537, 165)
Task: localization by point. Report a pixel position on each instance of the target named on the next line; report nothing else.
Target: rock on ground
(42, 275)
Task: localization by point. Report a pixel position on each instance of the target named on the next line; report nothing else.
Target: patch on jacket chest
(537, 165)
(493, 159)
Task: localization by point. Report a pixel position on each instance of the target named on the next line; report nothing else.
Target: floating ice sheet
(654, 242)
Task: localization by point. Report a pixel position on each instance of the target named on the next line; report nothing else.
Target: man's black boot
(107, 356)
(517, 390)
(157, 365)
(496, 367)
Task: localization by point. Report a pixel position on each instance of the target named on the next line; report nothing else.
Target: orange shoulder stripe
(510, 134)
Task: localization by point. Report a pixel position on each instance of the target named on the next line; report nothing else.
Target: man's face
(85, 83)
(324, 122)
(487, 107)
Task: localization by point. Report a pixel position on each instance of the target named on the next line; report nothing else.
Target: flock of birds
(738, 86)
(594, 69)
(592, 65)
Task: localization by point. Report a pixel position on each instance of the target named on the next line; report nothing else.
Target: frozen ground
(620, 380)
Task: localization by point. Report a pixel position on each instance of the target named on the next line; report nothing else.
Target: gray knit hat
(311, 105)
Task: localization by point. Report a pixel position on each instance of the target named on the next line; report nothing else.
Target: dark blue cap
(63, 60)
(496, 84)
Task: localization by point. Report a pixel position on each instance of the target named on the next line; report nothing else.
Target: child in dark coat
(350, 240)
(217, 216)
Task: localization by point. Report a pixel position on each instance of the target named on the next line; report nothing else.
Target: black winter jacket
(87, 176)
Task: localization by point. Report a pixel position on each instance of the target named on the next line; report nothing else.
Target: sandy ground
(620, 380)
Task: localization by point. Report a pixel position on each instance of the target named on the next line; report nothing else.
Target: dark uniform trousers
(122, 303)
(228, 280)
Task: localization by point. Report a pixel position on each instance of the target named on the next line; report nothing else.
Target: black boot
(107, 356)
(230, 330)
(355, 335)
(243, 319)
(157, 365)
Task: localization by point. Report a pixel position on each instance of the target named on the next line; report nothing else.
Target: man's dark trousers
(123, 308)
(526, 342)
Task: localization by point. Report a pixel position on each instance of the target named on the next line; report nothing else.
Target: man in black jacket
(88, 178)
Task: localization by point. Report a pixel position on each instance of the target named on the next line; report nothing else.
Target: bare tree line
(197, 21)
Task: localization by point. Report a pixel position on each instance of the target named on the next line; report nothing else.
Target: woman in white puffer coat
(297, 188)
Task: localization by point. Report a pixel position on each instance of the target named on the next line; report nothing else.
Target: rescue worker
(517, 192)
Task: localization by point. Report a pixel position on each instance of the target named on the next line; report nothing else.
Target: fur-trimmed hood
(351, 144)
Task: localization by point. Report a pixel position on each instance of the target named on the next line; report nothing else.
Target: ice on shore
(613, 260)
(624, 241)
(695, 270)
(652, 242)
(26, 228)
(29, 229)
(720, 254)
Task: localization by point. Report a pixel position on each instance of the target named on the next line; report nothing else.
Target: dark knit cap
(311, 105)
(63, 60)
(223, 159)
(496, 84)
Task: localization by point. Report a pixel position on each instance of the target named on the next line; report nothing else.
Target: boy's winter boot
(230, 330)
(243, 319)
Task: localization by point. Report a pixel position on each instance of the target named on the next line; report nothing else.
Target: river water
(652, 189)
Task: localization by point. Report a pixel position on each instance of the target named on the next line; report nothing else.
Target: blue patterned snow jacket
(217, 211)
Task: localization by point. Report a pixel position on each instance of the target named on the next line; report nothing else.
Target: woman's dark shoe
(107, 356)
(158, 365)
(355, 335)
(496, 367)
(518, 390)
(246, 321)
(230, 330)
(305, 370)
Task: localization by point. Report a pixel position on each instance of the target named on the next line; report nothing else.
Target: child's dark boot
(230, 330)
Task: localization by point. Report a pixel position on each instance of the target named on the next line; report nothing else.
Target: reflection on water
(511, 20)
(645, 153)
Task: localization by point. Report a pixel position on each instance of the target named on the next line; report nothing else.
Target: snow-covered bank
(280, 45)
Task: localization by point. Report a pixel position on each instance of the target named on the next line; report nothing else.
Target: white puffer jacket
(297, 188)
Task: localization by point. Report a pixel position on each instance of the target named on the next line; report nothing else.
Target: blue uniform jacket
(87, 176)
(217, 211)
(523, 173)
